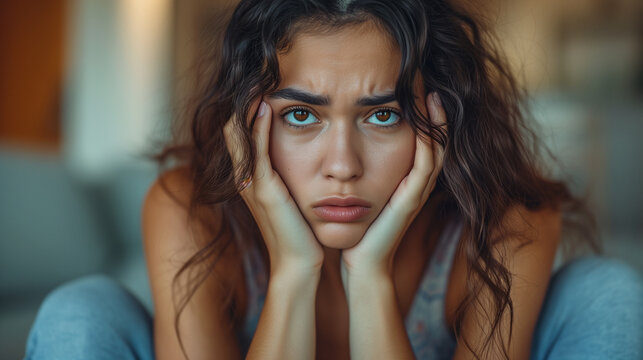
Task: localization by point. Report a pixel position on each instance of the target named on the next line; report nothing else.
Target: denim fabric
(92, 318)
(593, 310)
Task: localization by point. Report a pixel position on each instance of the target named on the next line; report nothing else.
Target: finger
(261, 136)
(438, 117)
(419, 176)
(438, 161)
(436, 112)
(425, 160)
(232, 122)
(233, 141)
(253, 113)
(428, 153)
(233, 136)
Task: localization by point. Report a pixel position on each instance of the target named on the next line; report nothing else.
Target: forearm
(376, 326)
(286, 328)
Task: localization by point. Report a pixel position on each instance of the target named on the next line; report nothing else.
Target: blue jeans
(593, 310)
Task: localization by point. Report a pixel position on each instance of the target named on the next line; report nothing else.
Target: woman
(359, 183)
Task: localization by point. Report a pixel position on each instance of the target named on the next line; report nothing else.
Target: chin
(340, 235)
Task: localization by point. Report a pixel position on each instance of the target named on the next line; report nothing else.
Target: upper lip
(342, 201)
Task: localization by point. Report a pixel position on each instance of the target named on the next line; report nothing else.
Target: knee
(594, 277)
(87, 299)
(602, 289)
(93, 304)
(593, 309)
(92, 317)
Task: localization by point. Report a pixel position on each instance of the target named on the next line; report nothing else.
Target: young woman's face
(336, 128)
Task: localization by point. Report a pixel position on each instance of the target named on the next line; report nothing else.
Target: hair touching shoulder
(491, 159)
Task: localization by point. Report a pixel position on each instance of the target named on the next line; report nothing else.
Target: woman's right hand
(290, 241)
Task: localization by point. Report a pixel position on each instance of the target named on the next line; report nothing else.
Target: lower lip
(341, 213)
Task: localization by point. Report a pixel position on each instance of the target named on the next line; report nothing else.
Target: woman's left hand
(375, 252)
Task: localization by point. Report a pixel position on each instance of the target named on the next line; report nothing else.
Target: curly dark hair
(492, 159)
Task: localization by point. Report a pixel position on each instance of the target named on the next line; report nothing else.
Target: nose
(342, 160)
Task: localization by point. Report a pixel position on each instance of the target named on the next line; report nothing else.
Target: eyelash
(300, 108)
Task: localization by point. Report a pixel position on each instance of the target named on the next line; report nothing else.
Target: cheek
(393, 164)
(288, 159)
(277, 152)
(386, 162)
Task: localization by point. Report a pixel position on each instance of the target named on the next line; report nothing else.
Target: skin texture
(341, 145)
(359, 146)
(349, 148)
(343, 152)
(310, 310)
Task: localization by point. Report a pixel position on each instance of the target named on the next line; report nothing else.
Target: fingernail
(262, 109)
(436, 99)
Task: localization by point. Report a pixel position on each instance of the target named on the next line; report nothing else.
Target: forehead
(360, 58)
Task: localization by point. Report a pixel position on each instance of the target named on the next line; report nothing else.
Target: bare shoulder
(172, 192)
(525, 227)
(531, 235)
(172, 235)
(175, 231)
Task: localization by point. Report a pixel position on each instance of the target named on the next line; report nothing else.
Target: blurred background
(87, 87)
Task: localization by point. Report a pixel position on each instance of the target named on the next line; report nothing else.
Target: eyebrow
(321, 100)
(300, 95)
(375, 100)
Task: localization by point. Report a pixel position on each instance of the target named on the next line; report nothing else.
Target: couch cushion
(50, 230)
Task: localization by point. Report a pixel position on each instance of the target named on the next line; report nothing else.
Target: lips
(341, 209)
(342, 201)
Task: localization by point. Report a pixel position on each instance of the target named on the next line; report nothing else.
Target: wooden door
(32, 51)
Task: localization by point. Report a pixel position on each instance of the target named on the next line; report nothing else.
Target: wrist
(366, 270)
(368, 279)
(292, 275)
(366, 282)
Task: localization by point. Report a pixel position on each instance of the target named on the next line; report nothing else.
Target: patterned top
(426, 321)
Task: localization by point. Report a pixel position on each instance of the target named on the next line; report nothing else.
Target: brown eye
(384, 118)
(299, 118)
(300, 115)
(383, 115)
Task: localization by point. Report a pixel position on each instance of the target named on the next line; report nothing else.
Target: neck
(332, 262)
